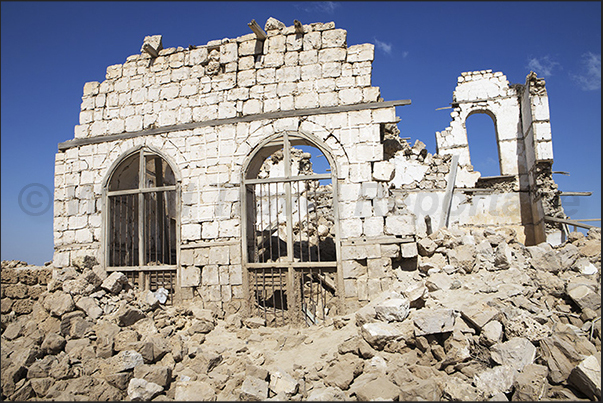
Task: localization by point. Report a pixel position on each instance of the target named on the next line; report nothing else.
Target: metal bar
(307, 222)
(144, 190)
(264, 292)
(137, 268)
(317, 219)
(325, 264)
(280, 280)
(141, 210)
(273, 296)
(261, 224)
(296, 178)
(587, 219)
(270, 223)
(299, 223)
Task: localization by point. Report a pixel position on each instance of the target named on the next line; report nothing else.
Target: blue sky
(50, 49)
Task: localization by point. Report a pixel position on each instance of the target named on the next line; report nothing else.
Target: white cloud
(590, 78)
(327, 7)
(543, 66)
(385, 47)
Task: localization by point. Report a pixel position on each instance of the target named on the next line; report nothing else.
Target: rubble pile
(481, 317)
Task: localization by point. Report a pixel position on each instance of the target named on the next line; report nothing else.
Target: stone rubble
(492, 321)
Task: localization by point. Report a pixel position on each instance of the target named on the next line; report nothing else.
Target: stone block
(282, 382)
(114, 282)
(194, 391)
(400, 225)
(434, 322)
(190, 276)
(334, 38)
(516, 352)
(378, 334)
(392, 310)
(254, 389)
(379, 267)
(499, 379)
(361, 53)
(409, 250)
(353, 269)
(209, 275)
(586, 377)
(383, 171)
(585, 297)
(350, 227)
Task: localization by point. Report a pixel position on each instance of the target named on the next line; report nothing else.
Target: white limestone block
(332, 69)
(465, 179)
(360, 172)
(116, 126)
(349, 191)
(334, 38)
(209, 275)
(190, 276)
(311, 72)
(544, 150)
(400, 225)
(266, 76)
(348, 96)
(383, 171)
(540, 107)
(228, 52)
(274, 59)
(312, 40)
(229, 228)
(328, 99)
(308, 57)
(542, 131)
(190, 232)
(276, 43)
(350, 227)
(361, 53)
(332, 55)
(305, 100)
(407, 171)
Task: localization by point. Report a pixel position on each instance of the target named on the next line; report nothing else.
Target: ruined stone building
(265, 173)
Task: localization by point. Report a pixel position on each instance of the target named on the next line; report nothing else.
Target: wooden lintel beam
(575, 194)
(248, 118)
(568, 222)
(299, 28)
(257, 30)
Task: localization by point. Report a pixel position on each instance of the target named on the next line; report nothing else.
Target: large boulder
(586, 377)
(393, 310)
(378, 334)
(194, 390)
(531, 384)
(516, 353)
(433, 321)
(143, 390)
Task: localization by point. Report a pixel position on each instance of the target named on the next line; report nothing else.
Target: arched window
(290, 251)
(483, 144)
(141, 225)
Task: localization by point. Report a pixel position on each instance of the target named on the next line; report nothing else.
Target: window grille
(141, 221)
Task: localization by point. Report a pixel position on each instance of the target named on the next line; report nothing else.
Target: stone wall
(208, 109)
(21, 287)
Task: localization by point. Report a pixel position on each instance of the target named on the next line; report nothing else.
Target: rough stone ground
(481, 318)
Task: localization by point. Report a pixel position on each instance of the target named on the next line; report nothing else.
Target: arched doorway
(290, 245)
(141, 225)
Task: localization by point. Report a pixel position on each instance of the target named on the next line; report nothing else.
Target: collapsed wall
(187, 173)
